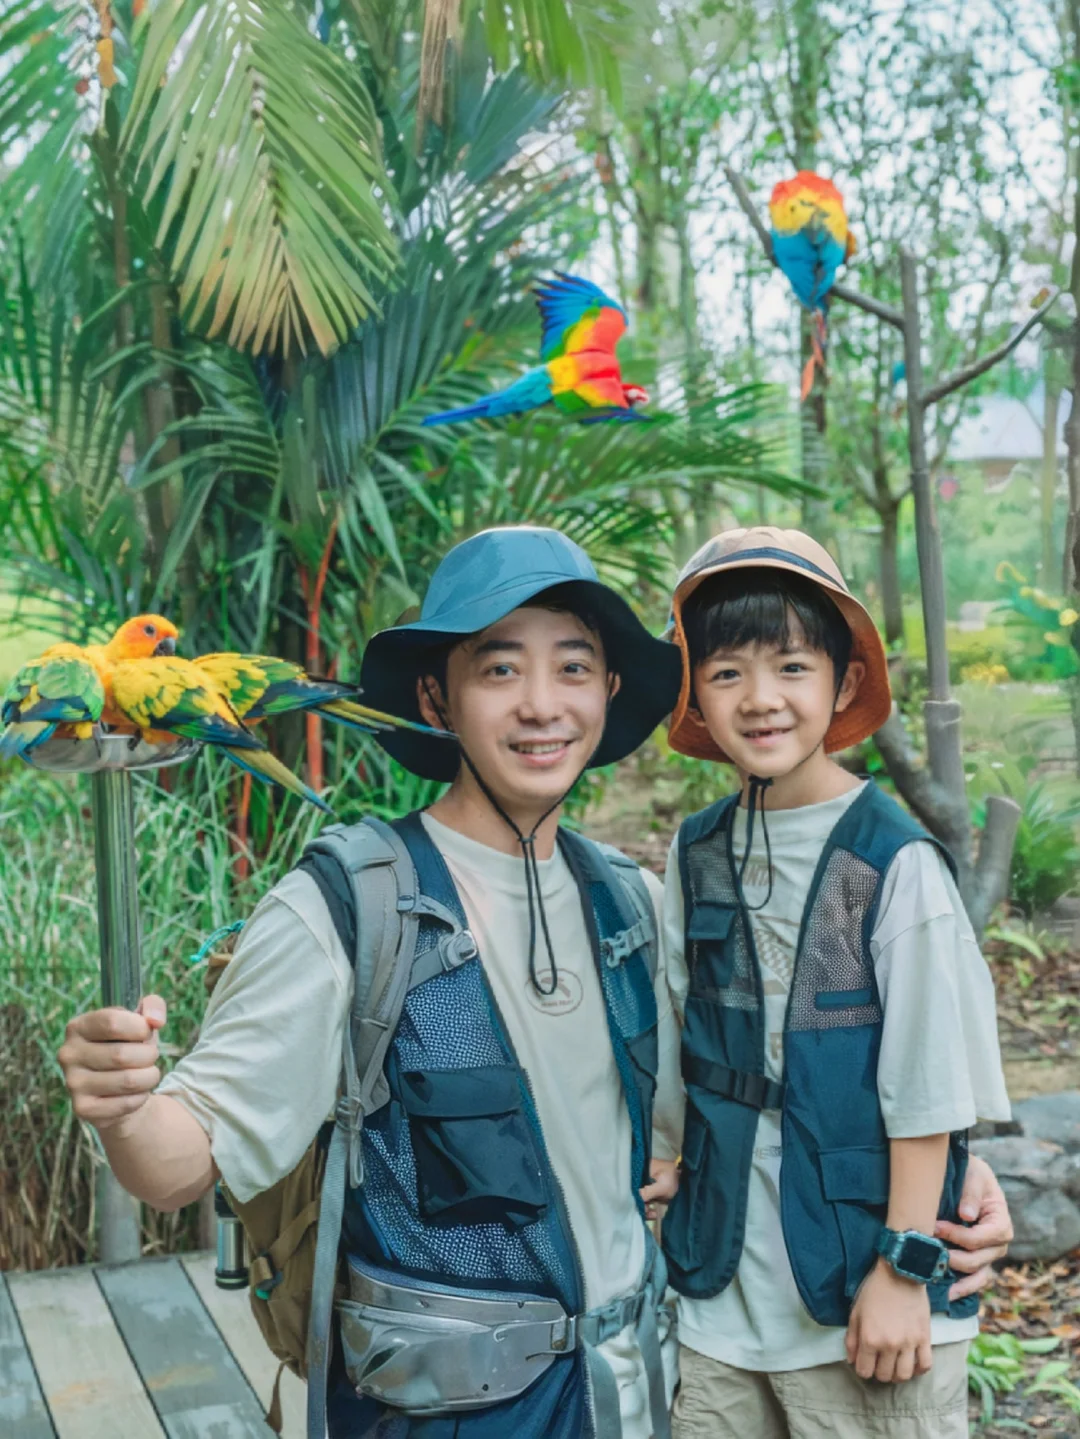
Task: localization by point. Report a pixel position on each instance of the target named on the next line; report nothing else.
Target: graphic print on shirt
(564, 999)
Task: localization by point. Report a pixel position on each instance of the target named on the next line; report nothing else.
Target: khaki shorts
(716, 1401)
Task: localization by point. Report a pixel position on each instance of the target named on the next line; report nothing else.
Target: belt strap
(756, 1091)
(599, 1325)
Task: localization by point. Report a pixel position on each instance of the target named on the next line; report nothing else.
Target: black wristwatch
(914, 1255)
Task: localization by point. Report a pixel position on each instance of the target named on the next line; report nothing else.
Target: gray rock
(1040, 1181)
(1051, 1116)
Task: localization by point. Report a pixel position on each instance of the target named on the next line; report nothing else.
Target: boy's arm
(888, 1336)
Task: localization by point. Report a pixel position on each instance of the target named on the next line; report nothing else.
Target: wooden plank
(23, 1414)
(196, 1385)
(231, 1312)
(89, 1382)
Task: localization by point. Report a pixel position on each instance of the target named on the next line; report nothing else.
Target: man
(513, 1159)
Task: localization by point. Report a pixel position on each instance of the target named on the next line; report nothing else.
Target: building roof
(1004, 429)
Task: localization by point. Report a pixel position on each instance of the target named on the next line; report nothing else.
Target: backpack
(369, 883)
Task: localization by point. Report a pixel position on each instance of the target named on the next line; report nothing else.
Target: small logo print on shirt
(565, 997)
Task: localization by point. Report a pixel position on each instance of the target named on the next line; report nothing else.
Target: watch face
(919, 1256)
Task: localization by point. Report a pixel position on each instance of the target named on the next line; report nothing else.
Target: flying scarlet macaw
(811, 240)
(169, 697)
(260, 687)
(68, 687)
(580, 375)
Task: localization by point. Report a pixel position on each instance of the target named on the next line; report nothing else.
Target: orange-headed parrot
(580, 375)
(260, 687)
(171, 697)
(69, 687)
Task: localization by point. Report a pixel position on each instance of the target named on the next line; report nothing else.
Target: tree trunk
(1051, 411)
(892, 597)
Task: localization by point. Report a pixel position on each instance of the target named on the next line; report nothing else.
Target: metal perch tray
(107, 752)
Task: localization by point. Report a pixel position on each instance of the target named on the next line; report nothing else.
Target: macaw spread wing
(577, 315)
(175, 695)
(64, 689)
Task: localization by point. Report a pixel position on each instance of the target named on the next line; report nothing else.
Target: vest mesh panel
(445, 1025)
(832, 959)
(711, 883)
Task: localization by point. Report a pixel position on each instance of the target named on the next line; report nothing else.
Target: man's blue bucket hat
(478, 583)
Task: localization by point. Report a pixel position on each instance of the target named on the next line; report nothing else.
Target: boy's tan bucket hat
(765, 547)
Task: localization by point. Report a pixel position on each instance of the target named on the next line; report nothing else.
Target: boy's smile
(770, 707)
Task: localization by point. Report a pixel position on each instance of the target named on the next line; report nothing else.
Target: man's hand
(888, 1336)
(972, 1251)
(663, 1189)
(110, 1061)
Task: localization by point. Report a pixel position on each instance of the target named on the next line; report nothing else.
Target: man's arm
(157, 1150)
(888, 1337)
(974, 1250)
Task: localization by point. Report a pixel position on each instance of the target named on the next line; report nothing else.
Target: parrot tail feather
(369, 720)
(268, 767)
(19, 739)
(466, 412)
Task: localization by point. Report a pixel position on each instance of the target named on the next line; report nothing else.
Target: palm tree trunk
(1051, 410)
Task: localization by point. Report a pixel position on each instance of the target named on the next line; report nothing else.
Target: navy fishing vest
(458, 1187)
(834, 1175)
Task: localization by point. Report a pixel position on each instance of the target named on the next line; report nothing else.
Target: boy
(839, 1030)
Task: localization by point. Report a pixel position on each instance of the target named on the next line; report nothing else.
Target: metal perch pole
(109, 759)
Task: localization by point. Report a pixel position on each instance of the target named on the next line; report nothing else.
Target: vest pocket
(476, 1157)
(856, 1183)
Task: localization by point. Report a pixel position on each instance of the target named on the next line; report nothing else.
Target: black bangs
(771, 608)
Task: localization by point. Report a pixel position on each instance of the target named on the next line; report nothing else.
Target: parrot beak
(167, 646)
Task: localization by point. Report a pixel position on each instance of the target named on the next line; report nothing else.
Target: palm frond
(265, 145)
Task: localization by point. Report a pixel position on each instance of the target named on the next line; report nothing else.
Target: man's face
(767, 708)
(528, 699)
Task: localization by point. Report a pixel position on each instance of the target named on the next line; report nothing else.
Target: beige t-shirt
(264, 1073)
(939, 1066)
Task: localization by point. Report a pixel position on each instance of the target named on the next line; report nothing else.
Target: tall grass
(189, 885)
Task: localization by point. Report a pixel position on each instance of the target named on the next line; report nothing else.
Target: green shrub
(996, 1365)
(1046, 856)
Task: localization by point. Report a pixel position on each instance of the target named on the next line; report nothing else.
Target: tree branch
(841, 292)
(994, 865)
(933, 393)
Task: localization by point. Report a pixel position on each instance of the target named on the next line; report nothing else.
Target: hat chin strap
(533, 894)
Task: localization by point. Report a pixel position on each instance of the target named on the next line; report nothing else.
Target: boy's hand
(109, 1058)
(663, 1189)
(888, 1337)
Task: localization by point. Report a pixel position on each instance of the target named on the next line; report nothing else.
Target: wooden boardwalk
(135, 1351)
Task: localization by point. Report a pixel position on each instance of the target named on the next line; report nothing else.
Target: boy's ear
(849, 685)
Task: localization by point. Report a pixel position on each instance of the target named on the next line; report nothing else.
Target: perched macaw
(68, 687)
(810, 240)
(260, 687)
(61, 689)
(580, 375)
(169, 697)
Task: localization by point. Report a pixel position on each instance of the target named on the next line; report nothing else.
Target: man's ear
(614, 683)
(849, 685)
(432, 704)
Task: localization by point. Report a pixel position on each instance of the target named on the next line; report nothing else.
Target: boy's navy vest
(834, 1174)
(458, 1186)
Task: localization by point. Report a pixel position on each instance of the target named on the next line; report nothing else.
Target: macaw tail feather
(466, 412)
(357, 716)
(19, 739)
(268, 767)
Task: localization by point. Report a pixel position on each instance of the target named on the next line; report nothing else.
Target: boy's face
(528, 698)
(770, 708)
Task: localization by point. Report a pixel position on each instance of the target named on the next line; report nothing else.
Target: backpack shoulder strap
(604, 864)
(369, 882)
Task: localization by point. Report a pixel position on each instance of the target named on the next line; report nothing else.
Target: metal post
(119, 1231)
